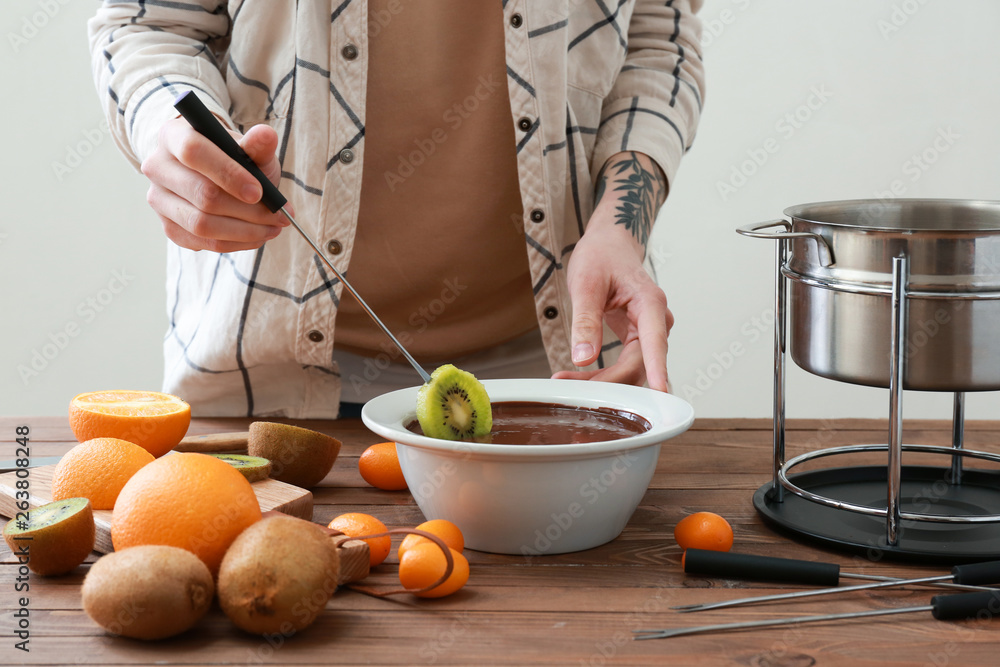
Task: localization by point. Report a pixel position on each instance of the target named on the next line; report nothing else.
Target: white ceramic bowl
(533, 499)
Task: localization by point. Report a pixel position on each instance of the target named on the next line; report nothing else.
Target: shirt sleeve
(145, 54)
(655, 103)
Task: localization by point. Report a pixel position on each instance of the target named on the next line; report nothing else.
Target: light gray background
(82, 256)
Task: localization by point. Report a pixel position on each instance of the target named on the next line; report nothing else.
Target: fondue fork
(202, 120)
(963, 606)
(697, 561)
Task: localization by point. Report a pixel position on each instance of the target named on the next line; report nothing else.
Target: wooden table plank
(272, 495)
(553, 610)
(417, 635)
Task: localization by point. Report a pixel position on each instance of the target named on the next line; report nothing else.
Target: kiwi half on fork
(454, 405)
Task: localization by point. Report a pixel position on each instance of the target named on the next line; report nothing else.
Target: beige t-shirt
(439, 253)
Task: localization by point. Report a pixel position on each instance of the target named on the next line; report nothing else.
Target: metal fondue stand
(840, 507)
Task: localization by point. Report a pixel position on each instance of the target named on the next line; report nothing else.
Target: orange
(704, 530)
(192, 501)
(154, 421)
(443, 528)
(357, 524)
(379, 466)
(424, 564)
(98, 469)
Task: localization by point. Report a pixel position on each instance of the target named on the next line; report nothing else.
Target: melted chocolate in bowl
(536, 423)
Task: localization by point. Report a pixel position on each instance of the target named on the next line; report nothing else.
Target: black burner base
(924, 490)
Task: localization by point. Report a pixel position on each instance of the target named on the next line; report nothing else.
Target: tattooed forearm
(637, 188)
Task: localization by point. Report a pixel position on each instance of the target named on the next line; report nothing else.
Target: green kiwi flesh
(454, 405)
(254, 468)
(56, 537)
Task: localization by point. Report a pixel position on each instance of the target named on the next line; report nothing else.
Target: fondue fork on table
(769, 568)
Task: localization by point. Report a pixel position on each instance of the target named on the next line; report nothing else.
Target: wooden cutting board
(272, 495)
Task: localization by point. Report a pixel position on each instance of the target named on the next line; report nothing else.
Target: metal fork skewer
(981, 605)
(936, 584)
(675, 632)
(202, 120)
(969, 577)
(825, 591)
(371, 313)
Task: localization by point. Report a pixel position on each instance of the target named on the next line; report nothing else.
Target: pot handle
(823, 248)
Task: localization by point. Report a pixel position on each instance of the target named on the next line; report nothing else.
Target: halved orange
(153, 420)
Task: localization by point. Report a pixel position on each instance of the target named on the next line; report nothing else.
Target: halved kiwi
(254, 468)
(454, 405)
(298, 456)
(55, 538)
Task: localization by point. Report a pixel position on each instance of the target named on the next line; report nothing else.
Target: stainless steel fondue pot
(839, 269)
(901, 294)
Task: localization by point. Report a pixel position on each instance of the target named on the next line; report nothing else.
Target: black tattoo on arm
(640, 193)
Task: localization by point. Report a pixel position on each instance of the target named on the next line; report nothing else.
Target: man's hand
(204, 198)
(608, 282)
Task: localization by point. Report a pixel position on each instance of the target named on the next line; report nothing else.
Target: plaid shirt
(586, 79)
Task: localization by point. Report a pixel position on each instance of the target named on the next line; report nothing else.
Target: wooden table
(576, 609)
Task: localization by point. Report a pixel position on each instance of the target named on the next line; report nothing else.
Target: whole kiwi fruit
(298, 456)
(148, 591)
(278, 575)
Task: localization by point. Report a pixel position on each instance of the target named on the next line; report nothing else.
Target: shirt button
(334, 247)
(516, 20)
(537, 215)
(524, 124)
(315, 336)
(347, 156)
(551, 312)
(350, 52)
